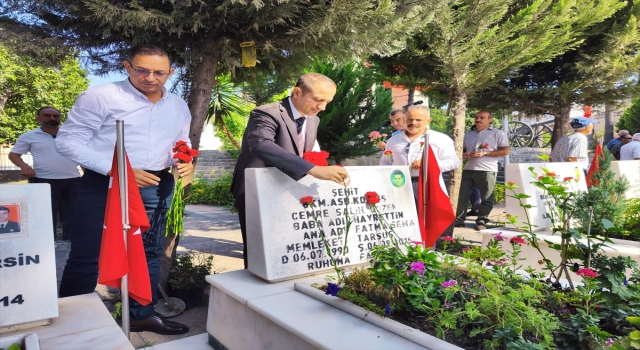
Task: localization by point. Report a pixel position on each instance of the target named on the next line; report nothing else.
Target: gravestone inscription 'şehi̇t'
(284, 240)
(28, 287)
(520, 174)
(631, 170)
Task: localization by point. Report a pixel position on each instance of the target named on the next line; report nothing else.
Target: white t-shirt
(630, 151)
(47, 162)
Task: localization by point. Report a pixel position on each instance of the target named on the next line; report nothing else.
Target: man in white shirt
(50, 167)
(407, 146)
(483, 146)
(154, 120)
(631, 151)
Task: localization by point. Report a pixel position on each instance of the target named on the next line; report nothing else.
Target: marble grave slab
(283, 239)
(631, 170)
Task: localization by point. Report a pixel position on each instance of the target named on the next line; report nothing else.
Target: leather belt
(157, 172)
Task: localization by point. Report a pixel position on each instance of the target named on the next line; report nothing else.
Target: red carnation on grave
(372, 198)
(306, 200)
(316, 158)
(517, 240)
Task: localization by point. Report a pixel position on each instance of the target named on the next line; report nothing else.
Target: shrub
(498, 193)
(630, 222)
(189, 271)
(214, 192)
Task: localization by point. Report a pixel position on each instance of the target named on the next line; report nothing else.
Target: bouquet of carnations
(483, 147)
(175, 224)
(377, 138)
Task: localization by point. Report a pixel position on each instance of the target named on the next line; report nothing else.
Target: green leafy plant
(189, 271)
(117, 310)
(213, 192)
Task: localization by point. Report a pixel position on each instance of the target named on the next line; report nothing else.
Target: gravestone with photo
(631, 170)
(28, 287)
(284, 240)
(520, 174)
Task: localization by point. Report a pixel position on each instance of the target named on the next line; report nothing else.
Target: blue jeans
(80, 274)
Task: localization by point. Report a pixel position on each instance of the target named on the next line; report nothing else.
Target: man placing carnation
(154, 120)
(278, 134)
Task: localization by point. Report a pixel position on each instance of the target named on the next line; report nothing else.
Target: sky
(96, 80)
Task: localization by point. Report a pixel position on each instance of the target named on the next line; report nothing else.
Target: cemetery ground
(214, 230)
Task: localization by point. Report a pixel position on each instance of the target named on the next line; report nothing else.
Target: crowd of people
(277, 135)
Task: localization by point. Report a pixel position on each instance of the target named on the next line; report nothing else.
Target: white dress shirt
(630, 151)
(405, 152)
(47, 163)
(151, 130)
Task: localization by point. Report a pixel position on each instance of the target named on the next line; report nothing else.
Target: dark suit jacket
(270, 141)
(10, 227)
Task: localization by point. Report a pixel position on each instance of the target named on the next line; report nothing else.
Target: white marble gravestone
(631, 170)
(519, 174)
(28, 287)
(283, 241)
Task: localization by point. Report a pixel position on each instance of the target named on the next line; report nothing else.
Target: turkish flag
(116, 260)
(594, 167)
(439, 213)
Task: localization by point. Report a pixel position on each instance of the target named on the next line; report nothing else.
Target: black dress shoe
(472, 213)
(158, 324)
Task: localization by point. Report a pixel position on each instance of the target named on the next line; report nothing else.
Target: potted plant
(187, 278)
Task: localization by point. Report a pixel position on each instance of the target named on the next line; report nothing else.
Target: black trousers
(80, 274)
(242, 216)
(64, 193)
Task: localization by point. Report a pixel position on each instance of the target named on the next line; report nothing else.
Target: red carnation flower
(183, 157)
(317, 158)
(449, 239)
(372, 198)
(179, 144)
(517, 240)
(306, 200)
(193, 152)
(388, 153)
(551, 174)
(587, 273)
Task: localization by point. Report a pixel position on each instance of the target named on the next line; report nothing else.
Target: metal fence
(5, 163)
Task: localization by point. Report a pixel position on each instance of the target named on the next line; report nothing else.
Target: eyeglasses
(143, 73)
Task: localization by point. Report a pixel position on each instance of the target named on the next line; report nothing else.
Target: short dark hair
(5, 209)
(146, 50)
(308, 80)
(46, 107)
(397, 111)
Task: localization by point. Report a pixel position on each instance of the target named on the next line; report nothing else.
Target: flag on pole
(439, 213)
(115, 260)
(591, 181)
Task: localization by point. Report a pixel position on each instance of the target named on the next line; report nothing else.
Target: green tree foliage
(356, 110)
(26, 86)
(229, 112)
(472, 45)
(603, 69)
(630, 119)
(200, 35)
(606, 200)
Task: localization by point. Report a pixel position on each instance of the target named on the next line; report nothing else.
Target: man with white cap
(573, 148)
(631, 151)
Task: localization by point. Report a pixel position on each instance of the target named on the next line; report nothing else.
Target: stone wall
(212, 164)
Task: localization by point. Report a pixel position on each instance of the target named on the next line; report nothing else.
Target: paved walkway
(214, 230)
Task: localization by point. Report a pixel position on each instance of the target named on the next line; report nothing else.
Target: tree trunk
(202, 83)
(608, 124)
(459, 115)
(560, 125)
(410, 95)
(226, 131)
(4, 96)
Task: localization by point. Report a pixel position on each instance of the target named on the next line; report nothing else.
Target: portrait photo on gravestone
(10, 218)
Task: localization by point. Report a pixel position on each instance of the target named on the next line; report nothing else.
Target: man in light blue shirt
(154, 120)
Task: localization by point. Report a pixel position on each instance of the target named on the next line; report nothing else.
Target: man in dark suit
(279, 133)
(7, 226)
